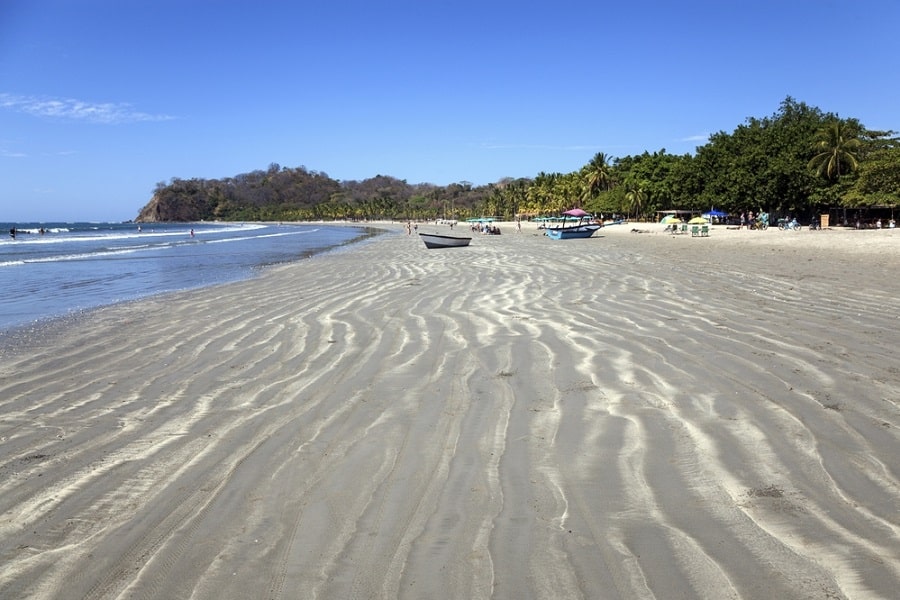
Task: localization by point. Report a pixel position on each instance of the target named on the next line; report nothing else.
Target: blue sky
(102, 99)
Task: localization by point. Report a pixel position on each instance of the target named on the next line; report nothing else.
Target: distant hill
(281, 193)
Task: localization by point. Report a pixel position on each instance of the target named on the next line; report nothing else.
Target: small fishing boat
(433, 240)
(583, 229)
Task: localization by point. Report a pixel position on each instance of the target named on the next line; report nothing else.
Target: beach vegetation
(878, 180)
(838, 143)
(636, 194)
(796, 162)
(596, 176)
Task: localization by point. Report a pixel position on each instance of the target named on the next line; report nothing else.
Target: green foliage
(878, 183)
(596, 177)
(762, 165)
(837, 143)
(796, 161)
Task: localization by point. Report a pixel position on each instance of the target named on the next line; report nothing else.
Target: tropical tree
(636, 195)
(596, 176)
(541, 191)
(837, 144)
(878, 183)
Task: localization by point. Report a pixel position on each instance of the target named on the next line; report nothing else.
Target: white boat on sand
(434, 240)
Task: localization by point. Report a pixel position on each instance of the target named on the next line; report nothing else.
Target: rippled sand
(629, 416)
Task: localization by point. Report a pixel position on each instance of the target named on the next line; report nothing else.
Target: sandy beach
(635, 415)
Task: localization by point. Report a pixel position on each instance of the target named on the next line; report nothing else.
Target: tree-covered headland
(799, 161)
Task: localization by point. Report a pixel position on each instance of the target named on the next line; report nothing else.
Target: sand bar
(636, 415)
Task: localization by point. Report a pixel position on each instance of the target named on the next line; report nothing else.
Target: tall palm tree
(596, 176)
(837, 144)
(542, 191)
(635, 194)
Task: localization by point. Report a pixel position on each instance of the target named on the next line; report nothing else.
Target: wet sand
(637, 415)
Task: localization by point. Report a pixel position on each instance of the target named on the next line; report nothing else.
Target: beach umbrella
(697, 221)
(670, 219)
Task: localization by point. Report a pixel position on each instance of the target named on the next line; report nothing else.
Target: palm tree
(635, 194)
(837, 144)
(596, 176)
(542, 191)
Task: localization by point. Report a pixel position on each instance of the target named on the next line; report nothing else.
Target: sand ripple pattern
(620, 417)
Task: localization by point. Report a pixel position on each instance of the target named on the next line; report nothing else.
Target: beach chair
(704, 231)
(695, 230)
(684, 228)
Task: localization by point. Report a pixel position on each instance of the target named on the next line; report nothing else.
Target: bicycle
(785, 225)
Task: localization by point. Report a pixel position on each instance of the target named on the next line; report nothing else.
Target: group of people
(485, 228)
(751, 221)
(877, 224)
(13, 232)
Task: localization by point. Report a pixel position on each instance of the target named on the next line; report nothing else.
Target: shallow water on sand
(52, 269)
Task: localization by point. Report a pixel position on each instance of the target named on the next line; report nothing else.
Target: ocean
(51, 270)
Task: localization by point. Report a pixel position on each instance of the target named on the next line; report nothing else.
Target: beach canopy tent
(576, 212)
(569, 215)
(714, 214)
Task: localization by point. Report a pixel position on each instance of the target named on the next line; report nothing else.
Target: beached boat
(433, 240)
(583, 229)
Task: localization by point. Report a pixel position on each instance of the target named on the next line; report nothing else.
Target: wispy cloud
(499, 146)
(106, 113)
(703, 137)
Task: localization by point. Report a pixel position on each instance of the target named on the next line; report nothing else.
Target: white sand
(628, 416)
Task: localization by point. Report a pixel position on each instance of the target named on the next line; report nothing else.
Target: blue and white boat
(585, 228)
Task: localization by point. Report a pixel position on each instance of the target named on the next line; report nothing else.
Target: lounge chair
(704, 231)
(695, 230)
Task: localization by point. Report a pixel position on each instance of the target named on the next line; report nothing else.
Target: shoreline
(631, 415)
(19, 333)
